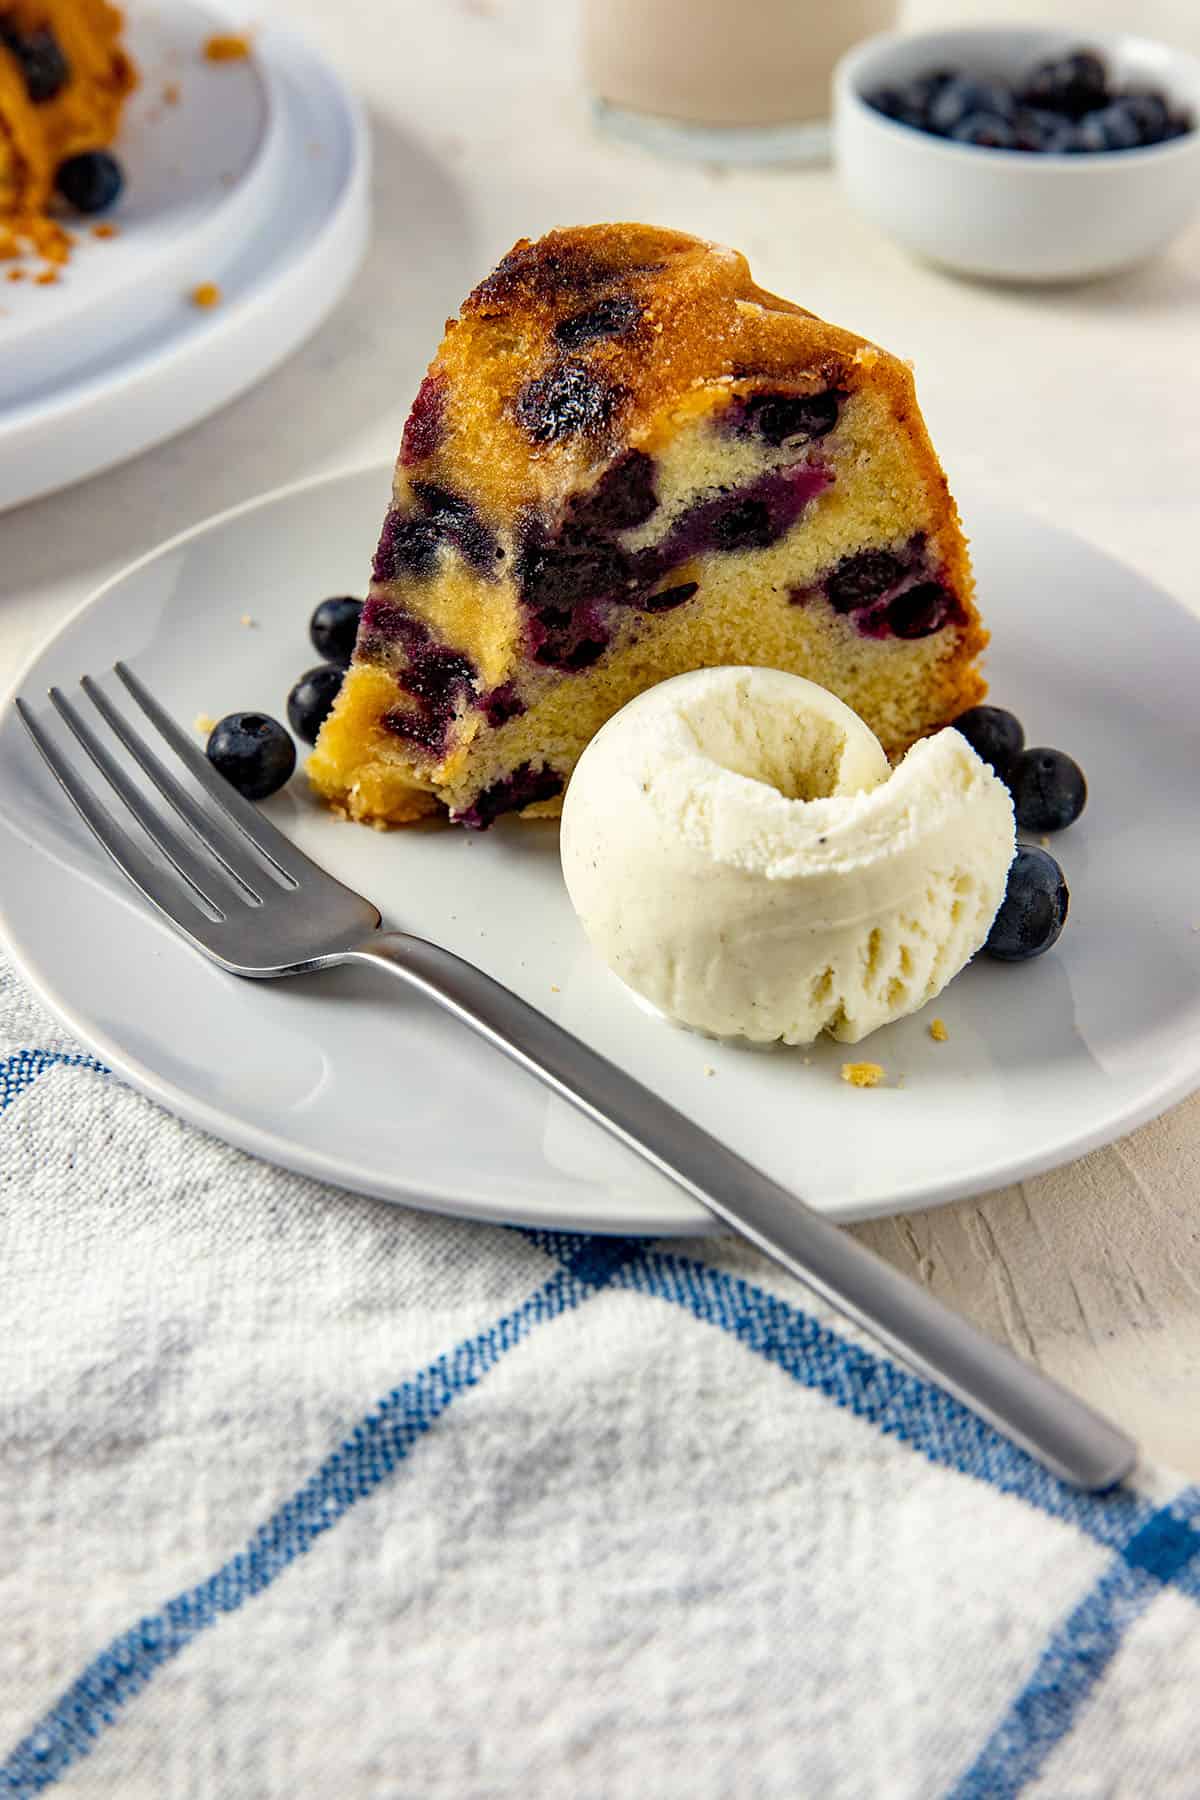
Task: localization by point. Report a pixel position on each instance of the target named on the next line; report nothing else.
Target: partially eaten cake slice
(64, 78)
(627, 461)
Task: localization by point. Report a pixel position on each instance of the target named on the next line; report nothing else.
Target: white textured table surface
(1082, 405)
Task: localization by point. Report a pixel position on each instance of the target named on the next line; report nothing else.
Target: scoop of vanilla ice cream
(741, 854)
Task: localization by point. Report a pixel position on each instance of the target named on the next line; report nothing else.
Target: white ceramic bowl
(1010, 214)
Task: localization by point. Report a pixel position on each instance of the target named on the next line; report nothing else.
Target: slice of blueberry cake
(64, 78)
(627, 461)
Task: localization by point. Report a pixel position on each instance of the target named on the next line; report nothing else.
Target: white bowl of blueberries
(1017, 153)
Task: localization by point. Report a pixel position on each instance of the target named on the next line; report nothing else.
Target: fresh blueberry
(334, 627)
(1149, 112)
(1033, 910)
(253, 752)
(311, 701)
(987, 130)
(43, 65)
(1048, 789)
(91, 181)
(887, 100)
(1112, 127)
(954, 101)
(959, 98)
(918, 95)
(997, 97)
(1072, 85)
(994, 734)
(1045, 132)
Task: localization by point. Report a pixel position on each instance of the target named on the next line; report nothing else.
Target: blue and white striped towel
(307, 1495)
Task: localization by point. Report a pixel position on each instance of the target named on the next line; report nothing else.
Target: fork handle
(1073, 1440)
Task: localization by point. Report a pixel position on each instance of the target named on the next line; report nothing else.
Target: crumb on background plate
(206, 294)
(204, 723)
(863, 1074)
(226, 46)
(938, 1032)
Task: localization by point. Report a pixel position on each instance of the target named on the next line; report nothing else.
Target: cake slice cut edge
(627, 461)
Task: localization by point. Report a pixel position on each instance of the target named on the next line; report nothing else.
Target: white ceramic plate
(342, 1076)
(254, 178)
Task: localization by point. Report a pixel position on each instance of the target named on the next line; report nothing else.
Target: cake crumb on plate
(227, 46)
(204, 723)
(863, 1074)
(206, 294)
(938, 1032)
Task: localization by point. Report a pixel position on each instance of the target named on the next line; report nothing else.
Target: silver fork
(244, 895)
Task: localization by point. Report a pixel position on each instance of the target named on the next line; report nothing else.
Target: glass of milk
(739, 81)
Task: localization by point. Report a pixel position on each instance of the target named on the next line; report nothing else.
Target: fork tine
(225, 845)
(132, 862)
(210, 883)
(291, 863)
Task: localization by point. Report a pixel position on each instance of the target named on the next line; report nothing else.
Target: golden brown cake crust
(696, 316)
(580, 348)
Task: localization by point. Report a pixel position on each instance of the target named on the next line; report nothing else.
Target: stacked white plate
(251, 175)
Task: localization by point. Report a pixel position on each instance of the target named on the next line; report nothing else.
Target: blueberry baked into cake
(63, 81)
(627, 461)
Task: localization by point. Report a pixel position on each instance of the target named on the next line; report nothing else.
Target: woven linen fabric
(306, 1494)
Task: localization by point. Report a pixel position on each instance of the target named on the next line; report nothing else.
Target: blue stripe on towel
(1153, 1547)
(20, 1070)
(1080, 1653)
(871, 1387)
(370, 1454)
